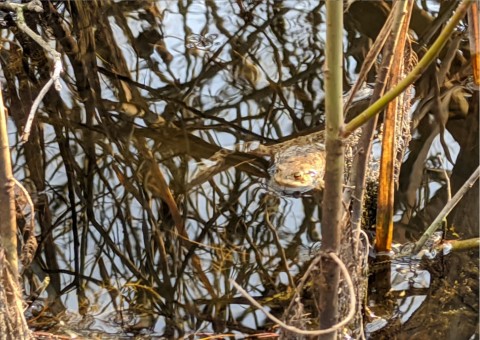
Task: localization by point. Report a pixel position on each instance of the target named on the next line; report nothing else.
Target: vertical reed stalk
(12, 320)
(332, 202)
(387, 163)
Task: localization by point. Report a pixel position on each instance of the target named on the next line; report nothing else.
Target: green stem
(332, 227)
(422, 65)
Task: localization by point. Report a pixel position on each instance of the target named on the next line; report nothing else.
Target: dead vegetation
(120, 226)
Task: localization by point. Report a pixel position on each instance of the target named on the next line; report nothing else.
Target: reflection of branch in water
(155, 182)
(283, 258)
(160, 95)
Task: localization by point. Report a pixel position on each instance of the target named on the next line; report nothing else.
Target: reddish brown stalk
(474, 37)
(387, 163)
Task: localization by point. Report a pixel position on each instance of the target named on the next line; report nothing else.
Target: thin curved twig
(296, 330)
(57, 69)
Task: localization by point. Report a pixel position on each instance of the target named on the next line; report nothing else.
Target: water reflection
(154, 91)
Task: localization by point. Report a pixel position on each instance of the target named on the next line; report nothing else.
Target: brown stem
(387, 163)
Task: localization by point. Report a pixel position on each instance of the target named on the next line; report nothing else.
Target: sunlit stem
(422, 65)
(332, 197)
(384, 229)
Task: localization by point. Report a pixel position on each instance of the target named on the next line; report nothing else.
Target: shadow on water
(147, 203)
